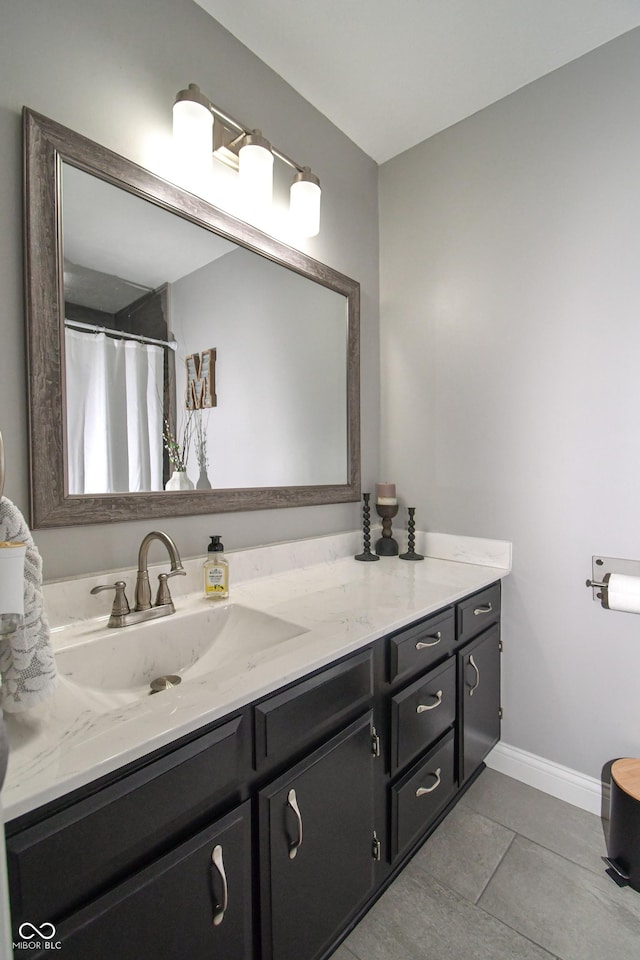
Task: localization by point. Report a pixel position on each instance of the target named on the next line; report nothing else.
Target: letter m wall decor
(201, 380)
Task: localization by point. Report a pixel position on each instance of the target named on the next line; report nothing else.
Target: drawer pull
(473, 664)
(420, 792)
(421, 645)
(486, 609)
(295, 845)
(218, 862)
(431, 706)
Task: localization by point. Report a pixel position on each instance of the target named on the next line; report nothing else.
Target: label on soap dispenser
(215, 579)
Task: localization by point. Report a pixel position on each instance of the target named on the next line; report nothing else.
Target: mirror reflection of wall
(281, 372)
(281, 376)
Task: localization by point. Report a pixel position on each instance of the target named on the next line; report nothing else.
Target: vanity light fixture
(304, 203)
(246, 151)
(255, 169)
(192, 126)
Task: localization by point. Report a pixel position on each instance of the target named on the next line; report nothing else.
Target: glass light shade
(256, 172)
(193, 132)
(304, 205)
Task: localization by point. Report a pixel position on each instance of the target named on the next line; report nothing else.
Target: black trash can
(624, 820)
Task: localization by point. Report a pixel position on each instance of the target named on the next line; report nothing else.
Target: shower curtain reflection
(114, 414)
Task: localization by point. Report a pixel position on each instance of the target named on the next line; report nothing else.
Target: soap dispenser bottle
(216, 571)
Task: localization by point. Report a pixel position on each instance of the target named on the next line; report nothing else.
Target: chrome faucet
(143, 590)
(121, 613)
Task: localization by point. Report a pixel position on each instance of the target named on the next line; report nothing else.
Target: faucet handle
(120, 603)
(163, 596)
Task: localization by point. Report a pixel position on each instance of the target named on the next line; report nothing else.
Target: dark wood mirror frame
(46, 145)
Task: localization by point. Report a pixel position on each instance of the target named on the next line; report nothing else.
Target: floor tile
(342, 953)
(463, 853)
(570, 831)
(420, 919)
(566, 908)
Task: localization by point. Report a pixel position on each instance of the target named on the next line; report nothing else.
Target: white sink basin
(226, 639)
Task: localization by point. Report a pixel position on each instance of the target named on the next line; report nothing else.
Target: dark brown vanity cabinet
(478, 650)
(267, 835)
(146, 867)
(422, 715)
(444, 712)
(316, 835)
(479, 700)
(194, 902)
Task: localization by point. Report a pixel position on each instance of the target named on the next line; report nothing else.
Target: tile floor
(511, 874)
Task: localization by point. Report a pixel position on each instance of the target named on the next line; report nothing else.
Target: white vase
(178, 481)
(203, 480)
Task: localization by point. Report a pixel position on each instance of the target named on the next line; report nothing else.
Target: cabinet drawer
(476, 613)
(412, 650)
(176, 906)
(421, 713)
(419, 796)
(309, 711)
(95, 842)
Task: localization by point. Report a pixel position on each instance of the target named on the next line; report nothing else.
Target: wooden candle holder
(386, 545)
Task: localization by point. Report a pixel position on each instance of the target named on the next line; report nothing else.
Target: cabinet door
(194, 902)
(316, 827)
(479, 690)
(123, 827)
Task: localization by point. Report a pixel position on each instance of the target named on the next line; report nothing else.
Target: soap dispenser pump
(216, 571)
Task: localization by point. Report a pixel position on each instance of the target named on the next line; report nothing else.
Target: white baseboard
(552, 778)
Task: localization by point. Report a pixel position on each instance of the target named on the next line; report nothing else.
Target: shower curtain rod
(120, 334)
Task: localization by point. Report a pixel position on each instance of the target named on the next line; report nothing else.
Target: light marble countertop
(336, 604)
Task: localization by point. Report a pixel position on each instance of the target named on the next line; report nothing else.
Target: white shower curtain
(114, 414)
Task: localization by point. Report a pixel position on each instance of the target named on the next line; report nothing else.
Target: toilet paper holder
(601, 566)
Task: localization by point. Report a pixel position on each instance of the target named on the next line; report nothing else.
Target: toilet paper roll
(12, 577)
(623, 593)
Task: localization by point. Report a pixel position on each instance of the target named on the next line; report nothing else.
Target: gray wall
(281, 371)
(510, 347)
(111, 71)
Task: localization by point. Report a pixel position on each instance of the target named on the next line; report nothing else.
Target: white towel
(27, 665)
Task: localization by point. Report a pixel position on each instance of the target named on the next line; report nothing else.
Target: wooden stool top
(626, 774)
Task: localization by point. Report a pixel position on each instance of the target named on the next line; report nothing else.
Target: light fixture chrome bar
(243, 129)
(285, 159)
(228, 120)
(194, 93)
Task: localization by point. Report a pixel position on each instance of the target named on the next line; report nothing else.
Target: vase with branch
(177, 445)
(200, 438)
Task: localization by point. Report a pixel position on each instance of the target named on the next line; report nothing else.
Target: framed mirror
(180, 361)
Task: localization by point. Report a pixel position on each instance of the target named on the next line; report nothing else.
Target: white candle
(12, 578)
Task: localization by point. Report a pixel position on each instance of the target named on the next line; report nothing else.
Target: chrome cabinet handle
(295, 845)
(486, 609)
(420, 792)
(473, 664)
(431, 706)
(421, 645)
(218, 862)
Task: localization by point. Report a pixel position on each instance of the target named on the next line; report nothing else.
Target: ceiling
(390, 73)
(118, 246)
